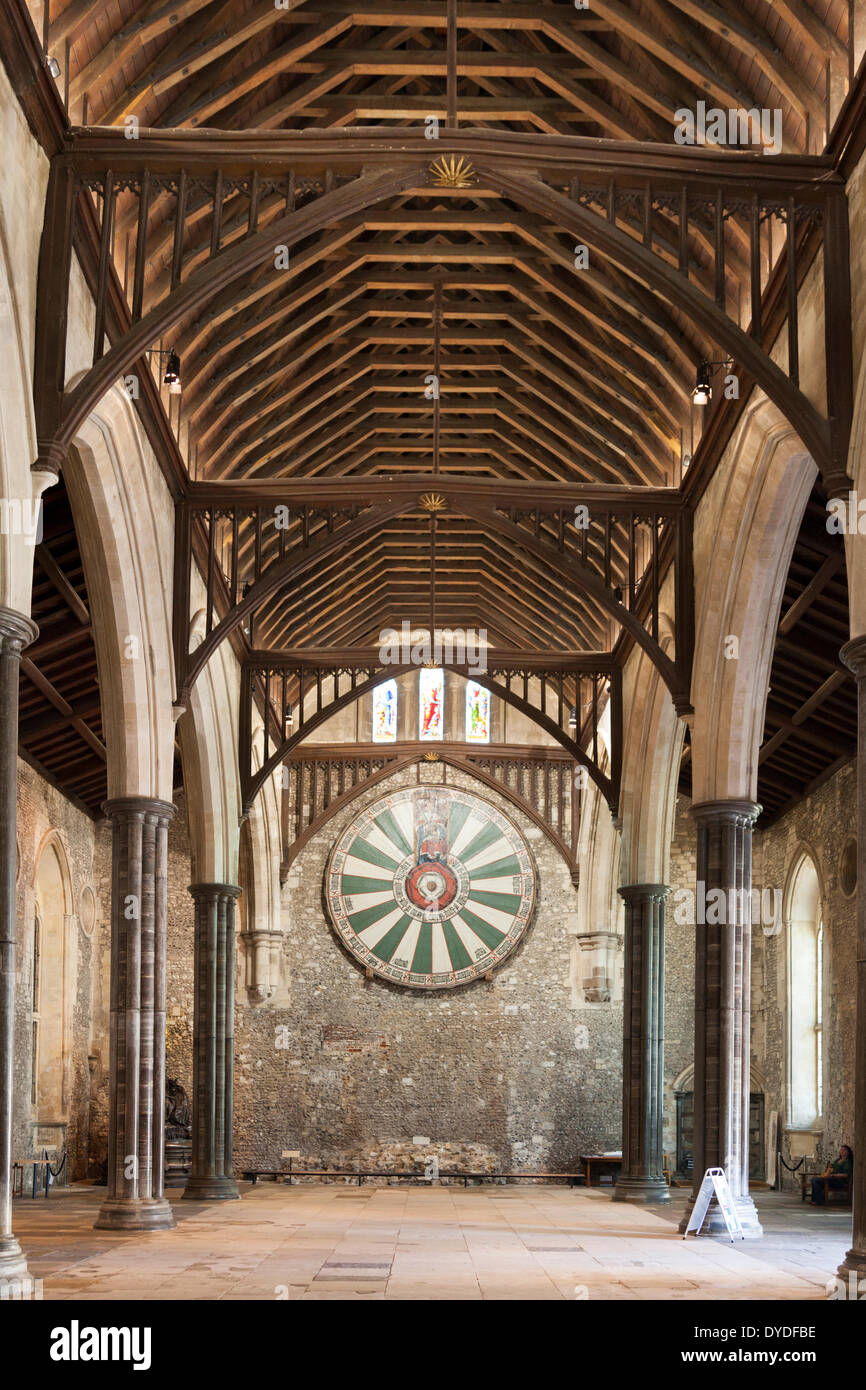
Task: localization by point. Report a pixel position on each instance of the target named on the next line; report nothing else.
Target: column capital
(128, 806)
(854, 656)
(16, 630)
(729, 812)
(214, 890)
(643, 892)
(50, 457)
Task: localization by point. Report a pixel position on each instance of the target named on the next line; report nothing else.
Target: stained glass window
(385, 712)
(431, 703)
(477, 713)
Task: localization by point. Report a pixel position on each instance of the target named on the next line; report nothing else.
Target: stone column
(723, 943)
(213, 1043)
(854, 656)
(16, 632)
(641, 1178)
(136, 1130)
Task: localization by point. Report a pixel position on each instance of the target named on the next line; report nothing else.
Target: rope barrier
(61, 1164)
(792, 1168)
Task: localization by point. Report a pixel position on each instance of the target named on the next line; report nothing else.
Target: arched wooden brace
(397, 764)
(227, 267)
(251, 783)
(190, 665)
(677, 675)
(827, 440)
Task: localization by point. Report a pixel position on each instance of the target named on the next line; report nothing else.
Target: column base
(644, 1190)
(714, 1221)
(854, 1264)
(13, 1261)
(210, 1189)
(134, 1214)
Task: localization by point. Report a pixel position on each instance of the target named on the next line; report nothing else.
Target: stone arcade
(432, 699)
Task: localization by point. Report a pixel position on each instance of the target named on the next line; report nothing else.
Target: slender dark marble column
(136, 1131)
(854, 656)
(641, 1178)
(723, 943)
(213, 1043)
(16, 632)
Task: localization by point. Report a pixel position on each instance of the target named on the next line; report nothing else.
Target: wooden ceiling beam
(818, 37)
(46, 688)
(383, 558)
(67, 591)
(812, 591)
(157, 18)
(738, 28)
(622, 432)
(706, 72)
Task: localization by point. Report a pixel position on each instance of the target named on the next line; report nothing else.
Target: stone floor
(519, 1242)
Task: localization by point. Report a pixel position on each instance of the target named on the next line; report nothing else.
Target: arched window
(385, 712)
(431, 703)
(477, 713)
(805, 996)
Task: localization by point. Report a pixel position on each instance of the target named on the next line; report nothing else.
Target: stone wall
(342, 1068)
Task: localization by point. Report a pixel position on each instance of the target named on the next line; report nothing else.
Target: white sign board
(715, 1184)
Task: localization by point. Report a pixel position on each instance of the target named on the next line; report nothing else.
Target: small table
(39, 1179)
(600, 1160)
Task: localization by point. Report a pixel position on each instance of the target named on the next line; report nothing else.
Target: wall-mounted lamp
(171, 375)
(702, 391)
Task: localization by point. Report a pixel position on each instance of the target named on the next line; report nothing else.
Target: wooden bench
(833, 1196)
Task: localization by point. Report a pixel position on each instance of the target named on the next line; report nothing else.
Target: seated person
(838, 1174)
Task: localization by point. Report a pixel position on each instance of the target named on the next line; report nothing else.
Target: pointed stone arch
(744, 539)
(124, 521)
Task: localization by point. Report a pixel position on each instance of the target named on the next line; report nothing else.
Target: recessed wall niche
(848, 868)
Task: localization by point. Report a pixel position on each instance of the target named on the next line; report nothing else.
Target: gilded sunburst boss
(431, 887)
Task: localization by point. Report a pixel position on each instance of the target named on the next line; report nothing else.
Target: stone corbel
(598, 967)
(262, 951)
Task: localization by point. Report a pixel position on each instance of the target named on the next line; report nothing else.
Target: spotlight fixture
(702, 391)
(172, 374)
(572, 719)
(290, 717)
(53, 66)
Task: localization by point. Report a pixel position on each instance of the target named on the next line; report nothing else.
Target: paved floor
(329, 1242)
